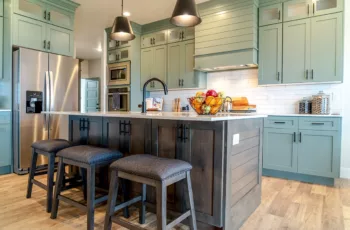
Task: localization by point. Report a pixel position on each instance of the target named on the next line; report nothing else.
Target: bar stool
(48, 148)
(87, 158)
(156, 172)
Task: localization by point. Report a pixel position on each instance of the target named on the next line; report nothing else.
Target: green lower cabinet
(60, 41)
(5, 142)
(280, 149)
(319, 153)
(29, 33)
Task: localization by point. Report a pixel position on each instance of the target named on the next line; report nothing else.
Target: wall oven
(118, 98)
(119, 73)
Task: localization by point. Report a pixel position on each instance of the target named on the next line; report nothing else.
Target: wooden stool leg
(90, 197)
(31, 173)
(82, 172)
(142, 213)
(193, 222)
(125, 197)
(58, 188)
(112, 199)
(50, 175)
(161, 193)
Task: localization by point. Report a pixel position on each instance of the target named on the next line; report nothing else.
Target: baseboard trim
(5, 170)
(345, 173)
(298, 177)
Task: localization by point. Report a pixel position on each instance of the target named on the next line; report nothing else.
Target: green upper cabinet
(321, 7)
(59, 17)
(60, 41)
(1, 47)
(147, 59)
(319, 153)
(280, 149)
(296, 9)
(35, 9)
(112, 44)
(1, 7)
(154, 39)
(270, 14)
(29, 33)
(270, 54)
(174, 65)
(180, 34)
(296, 51)
(119, 55)
(327, 48)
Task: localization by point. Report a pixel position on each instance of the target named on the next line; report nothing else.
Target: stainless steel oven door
(119, 74)
(124, 99)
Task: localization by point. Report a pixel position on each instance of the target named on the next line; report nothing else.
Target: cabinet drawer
(281, 122)
(319, 123)
(5, 117)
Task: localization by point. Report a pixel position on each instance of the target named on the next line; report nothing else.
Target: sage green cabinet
(154, 39)
(119, 55)
(112, 44)
(270, 54)
(60, 40)
(154, 64)
(29, 33)
(1, 47)
(327, 48)
(180, 34)
(296, 51)
(270, 14)
(38, 35)
(319, 153)
(5, 141)
(297, 9)
(60, 17)
(322, 7)
(1, 7)
(35, 9)
(280, 149)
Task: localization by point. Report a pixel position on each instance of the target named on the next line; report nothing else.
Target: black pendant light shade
(122, 30)
(185, 14)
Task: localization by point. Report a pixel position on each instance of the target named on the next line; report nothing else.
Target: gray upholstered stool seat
(51, 146)
(152, 167)
(90, 155)
(47, 148)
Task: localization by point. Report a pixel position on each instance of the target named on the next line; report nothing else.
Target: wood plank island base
(225, 152)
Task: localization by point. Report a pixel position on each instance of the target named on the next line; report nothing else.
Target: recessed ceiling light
(126, 14)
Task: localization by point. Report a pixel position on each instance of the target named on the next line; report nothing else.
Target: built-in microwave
(119, 74)
(118, 98)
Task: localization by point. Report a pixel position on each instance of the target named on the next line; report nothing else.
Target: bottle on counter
(305, 106)
(321, 103)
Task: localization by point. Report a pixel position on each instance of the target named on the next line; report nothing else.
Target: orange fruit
(210, 100)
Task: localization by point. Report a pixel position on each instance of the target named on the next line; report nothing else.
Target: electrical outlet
(235, 139)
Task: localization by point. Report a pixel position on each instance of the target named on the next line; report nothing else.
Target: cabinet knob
(44, 44)
(307, 74)
(49, 16)
(45, 14)
(49, 45)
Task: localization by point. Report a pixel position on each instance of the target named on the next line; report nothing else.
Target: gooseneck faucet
(144, 91)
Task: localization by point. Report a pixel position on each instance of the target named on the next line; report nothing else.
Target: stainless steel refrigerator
(41, 81)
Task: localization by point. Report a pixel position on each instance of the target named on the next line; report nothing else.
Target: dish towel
(116, 101)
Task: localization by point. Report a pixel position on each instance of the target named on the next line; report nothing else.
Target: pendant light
(122, 30)
(185, 14)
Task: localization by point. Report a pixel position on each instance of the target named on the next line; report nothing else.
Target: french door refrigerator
(41, 81)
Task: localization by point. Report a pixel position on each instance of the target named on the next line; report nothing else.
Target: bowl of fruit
(208, 103)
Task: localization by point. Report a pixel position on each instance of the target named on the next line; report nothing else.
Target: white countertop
(5, 110)
(164, 115)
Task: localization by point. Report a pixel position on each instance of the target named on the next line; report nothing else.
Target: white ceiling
(93, 16)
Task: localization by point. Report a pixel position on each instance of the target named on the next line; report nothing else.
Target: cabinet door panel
(160, 38)
(1, 7)
(159, 67)
(147, 59)
(327, 48)
(76, 135)
(29, 33)
(280, 149)
(30, 8)
(270, 14)
(296, 51)
(319, 153)
(189, 33)
(321, 7)
(146, 41)
(270, 54)
(59, 17)
(297, 9)
(1, 47)
(188, 74)
(61, 40)
(5, 135)
(174, 65)
(174, 35)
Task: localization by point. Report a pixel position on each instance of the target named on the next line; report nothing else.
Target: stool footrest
(178, 220)
(101, 199)
(38, 183)
(125, 224)
(73, 202)
(127, 203)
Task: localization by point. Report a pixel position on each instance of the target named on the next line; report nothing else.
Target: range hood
(227, 38)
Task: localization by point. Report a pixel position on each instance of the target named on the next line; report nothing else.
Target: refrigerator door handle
(46, 100)
(51, 100)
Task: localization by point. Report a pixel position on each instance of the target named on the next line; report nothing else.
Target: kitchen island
(224, 150)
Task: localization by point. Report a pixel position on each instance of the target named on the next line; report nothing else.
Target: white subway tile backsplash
(269, 99)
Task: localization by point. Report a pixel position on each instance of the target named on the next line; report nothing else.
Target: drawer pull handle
(280, 122)
(317, 123)
(295, 137)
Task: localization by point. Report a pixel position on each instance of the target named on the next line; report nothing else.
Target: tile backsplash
(278, 99)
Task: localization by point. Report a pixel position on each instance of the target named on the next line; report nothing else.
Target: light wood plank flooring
(285, 205)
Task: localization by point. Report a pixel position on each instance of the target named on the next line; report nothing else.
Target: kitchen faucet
(144, 91)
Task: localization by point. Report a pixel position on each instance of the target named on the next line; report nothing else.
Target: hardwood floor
(285, 205)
